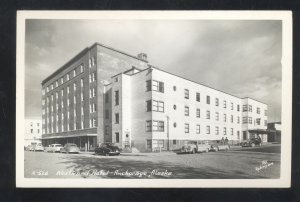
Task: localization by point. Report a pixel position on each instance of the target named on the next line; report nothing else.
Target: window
(149, 105)
(231, 118)
(245, 119)
(231, 131)
(94, 123)
(186, 128)
(74, 73)
(82, 111)
(158, 86)
(198, 113)
(217, 130)
(250, 108)
(62, 92)
(174, 124)
(61, 80)
(81, 96)
(174, 142)
(43, 91)
(238, 108)
(225, 118)
(231, 106)
(224, 104)
(116, 79)
(51, 86)
(68, 77)
(148, 85)
(90, 62)
(198, 97)
(81, 68)
(250, 120)
(31, 131)
(245, 108)
(93, 76)
(68, 89)
(186, 94)
(117, 137)
(117, 118)
(56, 95)
(155, 126)
(186, 111)
(207, 99)
(238, 119)
(81, 83)
(149, 144)
(266, 122)
(92, 107)
(93, 61)
(92, 92)
(116, 97)
(207, 114)
(174, 88)
(217, 116)
(75, 86)
(258, 121)
(207, 129)
(258, 110)
(148, 126)
(106, 114)
(217, 101)
(158, 106)
(197, 129)
(56, 83)
(106, 130)
(68, 102)
(174, 107)
(224, 131)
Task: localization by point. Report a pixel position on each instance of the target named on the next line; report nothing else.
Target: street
(241, 163)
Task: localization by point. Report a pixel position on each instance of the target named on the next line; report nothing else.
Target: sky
(240, 57)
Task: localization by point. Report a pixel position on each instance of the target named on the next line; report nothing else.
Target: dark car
(70, 148)
(252, 142)
(108, 149)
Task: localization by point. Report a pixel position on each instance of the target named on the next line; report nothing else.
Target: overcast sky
(242, 58)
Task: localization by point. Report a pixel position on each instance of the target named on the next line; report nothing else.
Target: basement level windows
(154, 85)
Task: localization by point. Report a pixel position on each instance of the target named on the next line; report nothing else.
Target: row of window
(153, 85)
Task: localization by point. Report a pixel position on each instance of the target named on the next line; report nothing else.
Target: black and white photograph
(153, 99)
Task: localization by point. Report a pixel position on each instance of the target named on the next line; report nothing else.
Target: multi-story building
(105, 95)
(33, 131)
(151, 109)
(72, 97)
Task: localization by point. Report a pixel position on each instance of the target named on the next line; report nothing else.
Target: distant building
(33, 131)
(274, 132)
(106, 95)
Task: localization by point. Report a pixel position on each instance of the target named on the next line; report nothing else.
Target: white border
(285, 177)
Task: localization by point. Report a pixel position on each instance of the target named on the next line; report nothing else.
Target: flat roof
(80, 54)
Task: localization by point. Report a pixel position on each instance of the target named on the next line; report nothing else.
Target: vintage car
(36, 147)
(70, 148)
(252, 142)
(108, 149)
(54, 148)
(193, 147)
(219, 145)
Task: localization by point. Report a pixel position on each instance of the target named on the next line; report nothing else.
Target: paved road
(232, 164)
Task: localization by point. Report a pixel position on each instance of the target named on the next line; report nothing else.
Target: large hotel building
(106, 95)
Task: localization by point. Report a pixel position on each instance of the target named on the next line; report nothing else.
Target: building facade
(151, 109)
(33, 131)
(72, 97)
(105, 95)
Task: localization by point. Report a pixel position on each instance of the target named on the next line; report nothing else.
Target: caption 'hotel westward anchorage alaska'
(106, 95)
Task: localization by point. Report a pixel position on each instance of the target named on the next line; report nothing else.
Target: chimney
(142, 56)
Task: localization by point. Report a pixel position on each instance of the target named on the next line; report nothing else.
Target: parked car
(108, 149)
(219, 145)
(54, 148)
(252, 142)
(37, 147)
(70, 148)
(194, 147)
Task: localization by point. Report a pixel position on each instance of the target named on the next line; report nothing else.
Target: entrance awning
(258, 131)
(69, 136)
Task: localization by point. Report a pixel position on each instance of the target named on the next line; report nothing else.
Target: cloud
(238, 57)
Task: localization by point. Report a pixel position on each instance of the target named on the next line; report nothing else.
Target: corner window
(158, 86)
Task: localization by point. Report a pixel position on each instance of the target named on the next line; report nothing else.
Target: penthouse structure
(105, 95)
